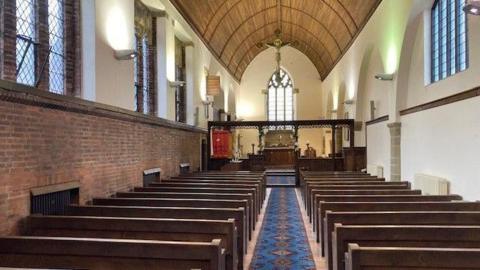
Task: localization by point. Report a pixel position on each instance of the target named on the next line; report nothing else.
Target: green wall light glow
(392, 60)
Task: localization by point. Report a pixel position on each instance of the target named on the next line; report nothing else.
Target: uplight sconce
(122, 55)
(175, 84)
(349, 102)
(213, 89)
(384, 77)
(472, 7)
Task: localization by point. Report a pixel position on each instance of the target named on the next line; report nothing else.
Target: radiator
(375, 170)
(431, 185)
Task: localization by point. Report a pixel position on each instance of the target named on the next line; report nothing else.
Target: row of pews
(195, 221)
(363, 222)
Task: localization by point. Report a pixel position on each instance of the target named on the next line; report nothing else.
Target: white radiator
(431, 185)
(375, 170)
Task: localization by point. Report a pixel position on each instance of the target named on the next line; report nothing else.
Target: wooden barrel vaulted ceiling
(234, 30)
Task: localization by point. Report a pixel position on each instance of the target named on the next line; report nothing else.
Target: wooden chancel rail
(334, 125)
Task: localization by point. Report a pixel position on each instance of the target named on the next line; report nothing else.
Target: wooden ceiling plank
(226, 43)
(333, 26)
(303, 51)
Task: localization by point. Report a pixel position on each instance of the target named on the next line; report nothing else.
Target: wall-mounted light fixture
(213, 89)
(472, 8)
(176, 83)
(125, 54)
(384, 77)
(206, 106)
(349, 102)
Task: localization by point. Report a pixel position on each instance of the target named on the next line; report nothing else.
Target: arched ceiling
(233, 29)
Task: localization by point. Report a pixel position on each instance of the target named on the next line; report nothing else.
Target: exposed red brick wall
(44, 142)
(9, 40)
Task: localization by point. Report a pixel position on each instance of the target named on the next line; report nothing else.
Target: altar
(279, 150)
(279, 157)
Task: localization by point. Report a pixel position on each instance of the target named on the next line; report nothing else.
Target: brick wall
(48, 139)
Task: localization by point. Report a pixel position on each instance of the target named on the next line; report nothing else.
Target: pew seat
(401, 236)
(196, 203)
(106, 254)
(367, 258)
(392, 218)
(238, 214)
(186, 230)
(378, 198)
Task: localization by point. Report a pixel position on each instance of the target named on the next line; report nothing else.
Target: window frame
(289, 83)
(52, 52)
(32, 45)
(442, 53)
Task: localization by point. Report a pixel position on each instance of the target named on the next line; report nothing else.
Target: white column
(162, 81)
(189, 62)
(88, 49)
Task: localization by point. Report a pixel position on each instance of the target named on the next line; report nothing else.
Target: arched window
(280, 97)
(449, 39)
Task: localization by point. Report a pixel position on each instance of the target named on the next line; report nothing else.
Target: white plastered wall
(442, 141)
(251, 102)
(114, 31)
(107, 80)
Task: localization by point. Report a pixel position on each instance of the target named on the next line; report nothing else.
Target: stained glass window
(449, 39)
(280, 97)
(26, 41)
(56, 39)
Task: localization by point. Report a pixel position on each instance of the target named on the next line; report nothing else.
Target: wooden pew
(303, 180)
(258, 190)
(262, 185)
(352, 185)
(386, 191)
(196, 203)
(237, 214)
(393, 218)
(309, 197)
(106, 254)
(185, 230)
(401, 236)
(258, 200)
(323, 207)
(379, 198)
(362, 258)
(228, 196)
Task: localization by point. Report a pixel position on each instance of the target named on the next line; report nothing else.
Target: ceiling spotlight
(473, 8)
(125, 54)
(384, 77)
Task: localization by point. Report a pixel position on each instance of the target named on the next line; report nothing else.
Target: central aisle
(283, 242)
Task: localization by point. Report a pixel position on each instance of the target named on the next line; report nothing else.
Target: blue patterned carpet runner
(281, 180)
(283, 242)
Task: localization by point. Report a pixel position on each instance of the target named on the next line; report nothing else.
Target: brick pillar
(152, 65)
(73, 62)
(2, 8)
(395, 151)
(9, 40)
(43, 45)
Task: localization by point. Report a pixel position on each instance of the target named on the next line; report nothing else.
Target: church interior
(240, 134)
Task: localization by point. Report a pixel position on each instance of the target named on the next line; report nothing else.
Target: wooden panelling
(377, 120)
(443, 101)
(322, 30)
